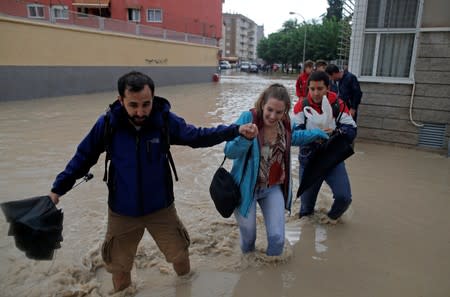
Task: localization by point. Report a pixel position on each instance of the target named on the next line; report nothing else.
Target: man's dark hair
(319, 76)
(331, 69)
(134, 81)
(309, 63)
(321, 63)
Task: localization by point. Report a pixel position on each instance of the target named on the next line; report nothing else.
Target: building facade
(66, 48)
(400, 52)
(241, 37)
(200, 17)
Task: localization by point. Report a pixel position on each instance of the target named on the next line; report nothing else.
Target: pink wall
(200, 17)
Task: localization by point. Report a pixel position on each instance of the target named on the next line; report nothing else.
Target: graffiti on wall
(157, 61)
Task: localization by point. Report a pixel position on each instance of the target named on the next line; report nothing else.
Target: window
(82, 12)
(389, 36)
(134, 15)
(35, 11)
(60, 12)
(154, 16)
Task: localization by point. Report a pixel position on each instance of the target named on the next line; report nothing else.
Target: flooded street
(394, 239)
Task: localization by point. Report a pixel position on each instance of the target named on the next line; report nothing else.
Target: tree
(323, 40)
(286, 45)
(335, 9)
(289, 25)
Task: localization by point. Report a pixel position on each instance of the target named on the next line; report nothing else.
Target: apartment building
(241, 37)
(199, 17)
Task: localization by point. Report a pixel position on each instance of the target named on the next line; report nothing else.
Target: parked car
(225, 65)
(253, 68)
(245, 66)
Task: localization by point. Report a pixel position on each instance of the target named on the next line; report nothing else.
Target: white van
(225, 65)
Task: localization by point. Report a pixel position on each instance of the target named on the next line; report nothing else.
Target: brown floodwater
(393, 241)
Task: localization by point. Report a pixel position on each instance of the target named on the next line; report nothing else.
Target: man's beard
(135, 120)
(138, 121)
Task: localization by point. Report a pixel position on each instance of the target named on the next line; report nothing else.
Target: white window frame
(135, 15)
(35, 8)
(153, 18)
(62, 10)
(359, 42)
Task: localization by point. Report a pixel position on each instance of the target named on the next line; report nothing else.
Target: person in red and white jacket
(301, 87)
(337, 177)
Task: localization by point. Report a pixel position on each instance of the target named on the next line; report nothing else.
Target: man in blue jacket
(348, 88)
(140, 130)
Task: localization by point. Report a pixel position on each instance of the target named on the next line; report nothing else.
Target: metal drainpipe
(411, 106)
(417, 40)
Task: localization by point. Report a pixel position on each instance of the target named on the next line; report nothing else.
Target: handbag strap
(247, 156)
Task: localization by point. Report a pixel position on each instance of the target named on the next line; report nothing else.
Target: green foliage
(286, 45)
(335, 10)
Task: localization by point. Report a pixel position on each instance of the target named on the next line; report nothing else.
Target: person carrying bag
(265, 177)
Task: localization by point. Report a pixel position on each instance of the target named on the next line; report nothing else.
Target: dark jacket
(349, 90)
(139, 179)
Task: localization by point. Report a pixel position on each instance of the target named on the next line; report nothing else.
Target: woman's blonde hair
(275, 91)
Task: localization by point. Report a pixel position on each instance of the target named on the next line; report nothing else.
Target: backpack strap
(304, 104)
(107, 136)
(166, 139)
(337, 112)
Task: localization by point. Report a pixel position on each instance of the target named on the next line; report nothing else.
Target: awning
(133, 4)
(91, 3)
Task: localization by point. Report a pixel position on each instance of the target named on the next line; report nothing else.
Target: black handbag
(224, 191)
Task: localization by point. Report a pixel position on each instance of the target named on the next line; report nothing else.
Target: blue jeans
(271, 201)
(339, 183)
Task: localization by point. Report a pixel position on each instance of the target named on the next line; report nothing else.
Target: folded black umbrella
(330, 153)
(36, 225)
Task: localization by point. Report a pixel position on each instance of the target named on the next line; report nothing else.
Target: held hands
(319, 133)
(54, 197)
(329, 131)
(249, 131)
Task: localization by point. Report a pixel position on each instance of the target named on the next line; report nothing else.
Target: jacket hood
(119, 113)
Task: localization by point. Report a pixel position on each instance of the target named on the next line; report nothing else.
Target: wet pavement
(393, 241)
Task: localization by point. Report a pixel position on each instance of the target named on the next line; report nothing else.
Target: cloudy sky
(272, 14)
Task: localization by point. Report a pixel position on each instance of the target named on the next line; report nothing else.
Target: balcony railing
(21, 9)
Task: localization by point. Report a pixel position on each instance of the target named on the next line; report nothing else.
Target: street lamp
(304, 38)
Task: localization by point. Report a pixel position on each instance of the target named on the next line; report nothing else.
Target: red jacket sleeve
(298, 107)
(298, 87)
